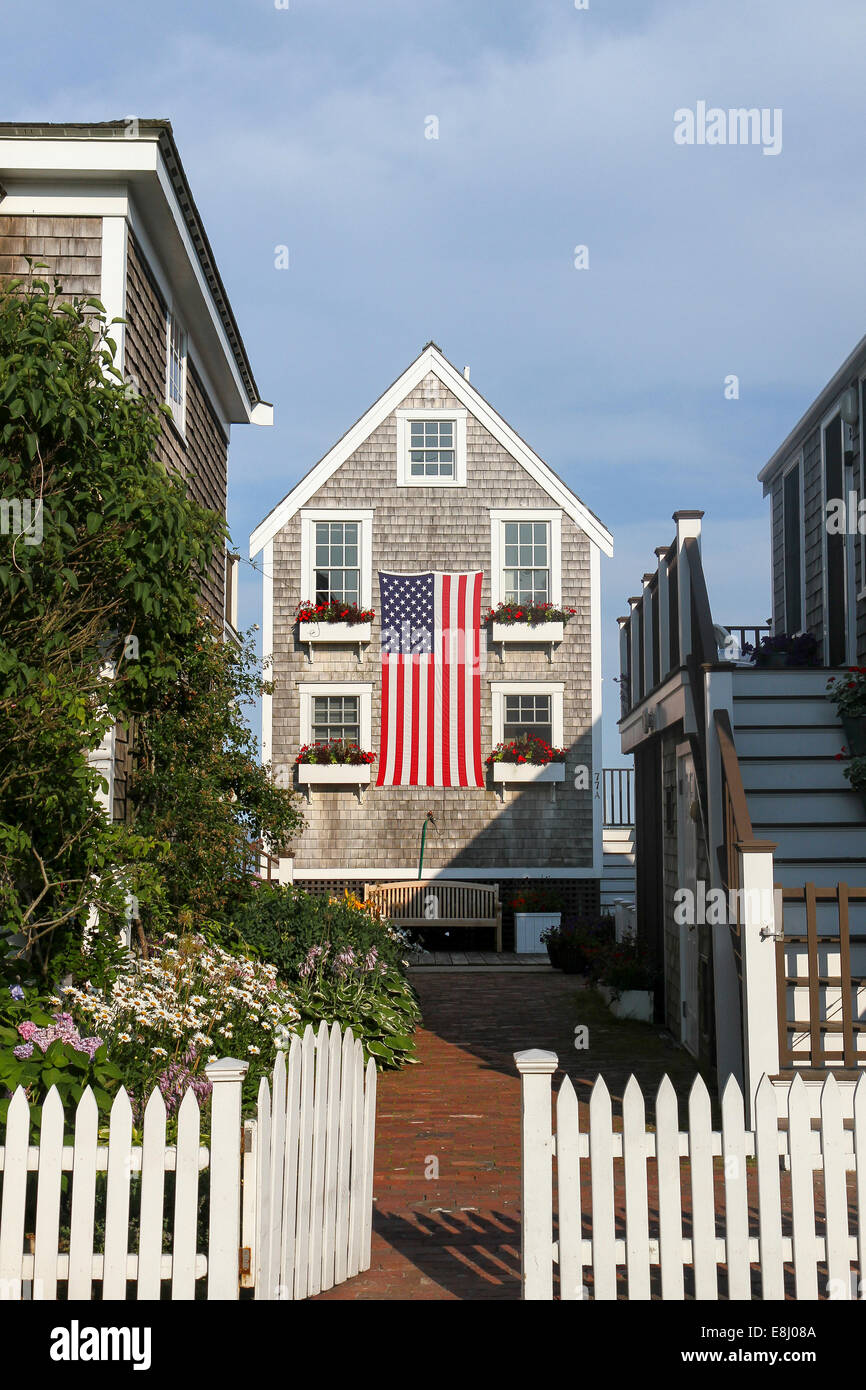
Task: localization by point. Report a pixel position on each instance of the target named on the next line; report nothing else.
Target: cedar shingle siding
(202, 457)
(70, 247)
(439, 529)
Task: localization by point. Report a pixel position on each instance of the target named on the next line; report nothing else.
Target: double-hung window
(528, 714)
(337, 555)
(528, 707)
(525, 556)
(336, 716)
(338, 566)
(330, 710)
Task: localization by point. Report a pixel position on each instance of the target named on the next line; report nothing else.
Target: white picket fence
(308, 1165)
(303, 1194)
(792, 1229)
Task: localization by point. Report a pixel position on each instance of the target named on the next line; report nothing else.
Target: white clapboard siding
(699, 1173)
(291, 1217)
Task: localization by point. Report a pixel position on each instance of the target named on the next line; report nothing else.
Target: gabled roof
(431, 359)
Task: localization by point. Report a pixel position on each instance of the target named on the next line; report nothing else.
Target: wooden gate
(308, 1169)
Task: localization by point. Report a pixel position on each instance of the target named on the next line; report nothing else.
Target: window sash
(526, 561)
(528, 714)
(337, 567)
(431, 448)
(336, 716)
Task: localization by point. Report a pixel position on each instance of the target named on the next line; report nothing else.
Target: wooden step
(795, 774)
(797, 711)
(793, 743)
(820, 808)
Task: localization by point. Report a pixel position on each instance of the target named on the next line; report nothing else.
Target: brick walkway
(447, 1183)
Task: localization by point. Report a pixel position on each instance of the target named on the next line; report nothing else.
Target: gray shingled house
(106, 208)
(431, 480)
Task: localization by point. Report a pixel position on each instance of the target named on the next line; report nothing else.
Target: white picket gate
(308, 1169)
(303, 1195)
(792, 1227)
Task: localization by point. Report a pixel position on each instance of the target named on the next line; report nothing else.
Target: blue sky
(305, 127)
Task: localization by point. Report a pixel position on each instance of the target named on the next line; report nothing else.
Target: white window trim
(498, 516)
(363, 689)
(404, 477)
(834, 413)
(309, 517)
(797, 462)
(172, 315)
(499, 690)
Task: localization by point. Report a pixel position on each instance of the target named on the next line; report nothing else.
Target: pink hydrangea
(27, 1030)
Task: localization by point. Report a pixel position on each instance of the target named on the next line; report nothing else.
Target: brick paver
(446, 1221)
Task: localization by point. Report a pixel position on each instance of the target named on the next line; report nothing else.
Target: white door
(687, 867)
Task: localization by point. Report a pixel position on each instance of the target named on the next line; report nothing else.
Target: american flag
(431, 681)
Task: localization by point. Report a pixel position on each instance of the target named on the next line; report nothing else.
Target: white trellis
(711, 1169)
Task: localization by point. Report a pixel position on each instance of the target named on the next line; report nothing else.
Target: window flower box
(334, 775)
(337, 763)
(527, 632)
(517, 774)
(348, 634)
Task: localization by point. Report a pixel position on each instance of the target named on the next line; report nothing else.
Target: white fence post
(227, 1076)
(758, 928)
(536, 1068)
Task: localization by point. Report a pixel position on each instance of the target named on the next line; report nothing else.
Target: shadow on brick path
(447, 1181)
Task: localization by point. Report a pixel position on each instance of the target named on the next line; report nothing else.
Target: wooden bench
(439, 902)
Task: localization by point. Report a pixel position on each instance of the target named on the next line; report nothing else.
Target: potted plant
(848, 693)
(782, 650)
(535, 911)
(626, 978)
(575, 944)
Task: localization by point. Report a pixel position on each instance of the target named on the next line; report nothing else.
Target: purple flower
(16, 991)
(23, 1051)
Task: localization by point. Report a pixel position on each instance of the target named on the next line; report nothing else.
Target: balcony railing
(670, 623)
(618, 790)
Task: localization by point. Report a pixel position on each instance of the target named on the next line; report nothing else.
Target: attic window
(431, 448)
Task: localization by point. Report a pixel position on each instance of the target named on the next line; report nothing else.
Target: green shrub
(343, 963)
